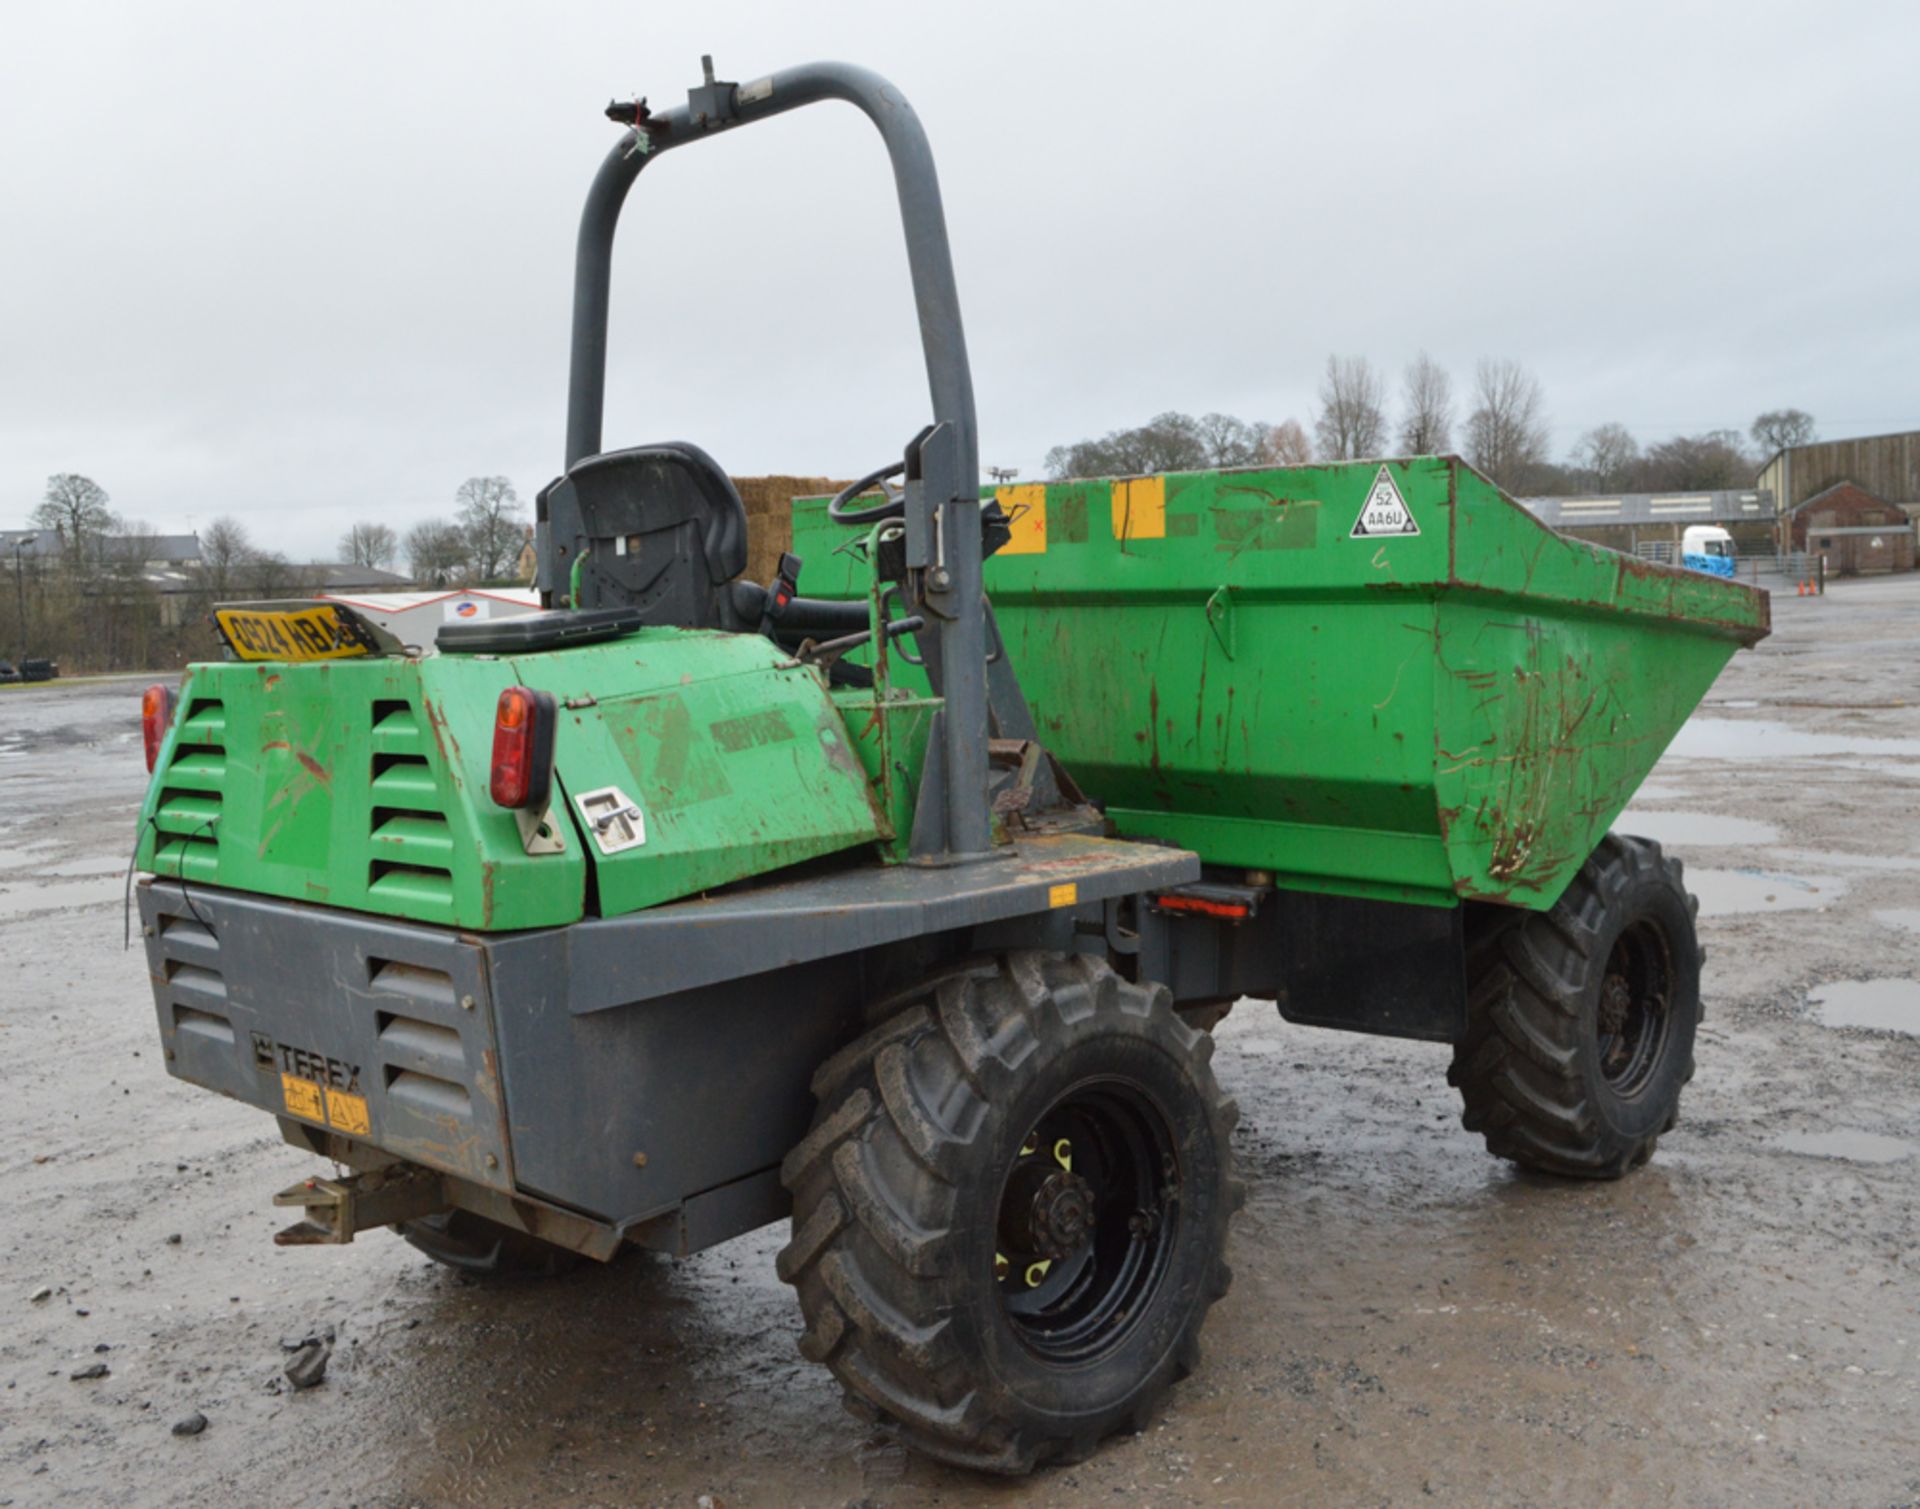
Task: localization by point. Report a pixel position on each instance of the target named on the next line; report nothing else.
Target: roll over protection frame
(954, 823)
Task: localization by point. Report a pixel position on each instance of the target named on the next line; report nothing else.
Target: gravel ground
(1411, 1320)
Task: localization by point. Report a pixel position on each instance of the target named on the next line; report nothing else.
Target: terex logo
(336, 1073)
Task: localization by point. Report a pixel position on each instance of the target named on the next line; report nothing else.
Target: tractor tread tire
(1521, 1068)
(901, 1126)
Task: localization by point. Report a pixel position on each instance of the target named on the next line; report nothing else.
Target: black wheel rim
(1087, 1221)
(1636, 1008)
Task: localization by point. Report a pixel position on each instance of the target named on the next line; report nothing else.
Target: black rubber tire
(486, 1249)
(1532, 1069)
(897, 1190)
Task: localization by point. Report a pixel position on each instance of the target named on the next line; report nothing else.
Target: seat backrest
(664, 529)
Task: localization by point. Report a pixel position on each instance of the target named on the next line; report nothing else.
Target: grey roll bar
(957, 827)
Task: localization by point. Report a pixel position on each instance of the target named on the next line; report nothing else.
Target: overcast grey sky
(309, 264)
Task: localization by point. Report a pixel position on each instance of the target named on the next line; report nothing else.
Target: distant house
(1887, 467)
(160, 554)
(322, 578)
(416, 617)
(1857, 532)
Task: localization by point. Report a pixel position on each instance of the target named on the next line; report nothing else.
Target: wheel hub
(1633, 1015)
(1049, 1211)
(1616, 1000)
(1061, 1214)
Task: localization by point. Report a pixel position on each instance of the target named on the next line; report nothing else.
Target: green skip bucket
(1370, 679)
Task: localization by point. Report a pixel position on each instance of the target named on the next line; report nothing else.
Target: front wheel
(1010, 1216)
(1581, 1019)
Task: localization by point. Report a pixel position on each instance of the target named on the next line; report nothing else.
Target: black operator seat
(664, 529)
(666, 536)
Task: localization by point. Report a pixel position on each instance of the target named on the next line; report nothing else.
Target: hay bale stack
(769, 503)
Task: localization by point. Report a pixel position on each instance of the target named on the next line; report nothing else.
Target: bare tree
(1230, 441)
(1426, 425)
(1507, 430)
(1169, 442)
(76, 508)
(225, 554)
(1607, 458)
(1353, 420)
(492, 520)
(1780, 429)
(268, 574)
(1286, 444)
(1696, 462)
(369, 544)
(436, 552)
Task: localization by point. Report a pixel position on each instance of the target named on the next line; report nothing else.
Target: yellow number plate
(317, 633)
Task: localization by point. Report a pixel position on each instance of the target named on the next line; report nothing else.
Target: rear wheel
(1581, 1019)
(1010, 1215)
(473, 1244)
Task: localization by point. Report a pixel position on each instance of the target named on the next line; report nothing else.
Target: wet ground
(1411, 1321)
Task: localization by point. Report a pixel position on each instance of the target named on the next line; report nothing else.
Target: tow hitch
(337, 1208)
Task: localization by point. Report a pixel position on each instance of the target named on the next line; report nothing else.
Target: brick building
(1887, 466)
(1857, 532)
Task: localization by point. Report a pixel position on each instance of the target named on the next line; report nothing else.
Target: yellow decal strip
(1140, 509)
(1026, 507)
(348, 1113)
(302, 1097)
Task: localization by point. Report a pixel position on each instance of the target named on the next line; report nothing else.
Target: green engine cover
(364, 783)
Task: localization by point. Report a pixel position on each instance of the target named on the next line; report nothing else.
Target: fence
(1760, 567)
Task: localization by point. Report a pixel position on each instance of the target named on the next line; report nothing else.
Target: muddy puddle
(1840, 859)
(1848, 1144)
(1905, 919)
(1762, 739)
(1706, 830)
(1725, 892)
(1887, 1005)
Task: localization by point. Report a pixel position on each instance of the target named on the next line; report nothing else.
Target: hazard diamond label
(1385, 511)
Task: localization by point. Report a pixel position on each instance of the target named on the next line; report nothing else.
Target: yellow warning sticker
(302, 1097)
(348, 1113)
(1140, 509)
(1026, 507)
(1063, 895)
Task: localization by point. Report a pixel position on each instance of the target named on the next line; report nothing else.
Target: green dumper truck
(902, 910)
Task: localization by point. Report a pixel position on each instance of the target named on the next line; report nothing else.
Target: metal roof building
(1573, 515)
(1888, 466)
(1651, 524)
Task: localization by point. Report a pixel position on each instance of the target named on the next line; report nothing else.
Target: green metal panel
(363, 783)
(1457, 712)
(356, 783)
(735, 754)
(890, 734)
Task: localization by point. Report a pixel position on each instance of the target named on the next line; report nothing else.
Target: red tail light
(522, 748)
(156, 714)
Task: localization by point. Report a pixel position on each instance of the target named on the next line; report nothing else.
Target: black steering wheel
(893, 505)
